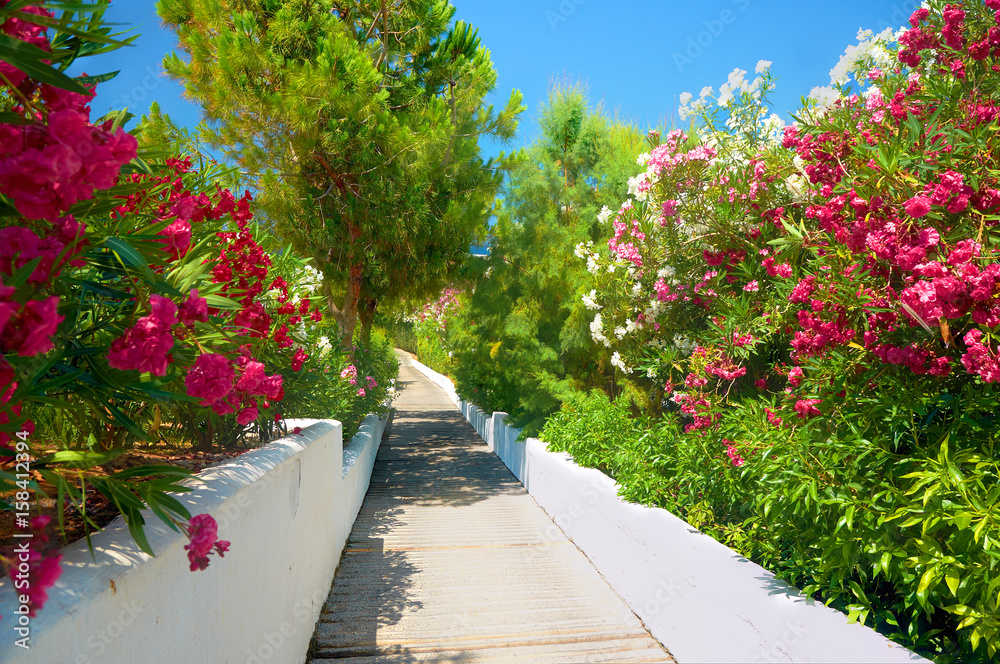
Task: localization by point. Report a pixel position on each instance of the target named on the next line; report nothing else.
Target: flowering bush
(813, 309)
(431, 327)
(133, 290)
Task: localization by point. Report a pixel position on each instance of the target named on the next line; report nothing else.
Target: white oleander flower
(590, 301)
(597, 330)
(616, 360)
(762, 66)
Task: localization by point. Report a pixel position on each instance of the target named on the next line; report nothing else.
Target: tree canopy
(358, 125)
(526, 341)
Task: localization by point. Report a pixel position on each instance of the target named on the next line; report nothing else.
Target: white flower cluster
(636, 189)
(590, 301)
(597, 331)
(604, 214)
(824, 96)
(684, 344)
(871, 51)
(689, 108)
(737, 84)
(616, 360)
(798, 188)
(583, 249)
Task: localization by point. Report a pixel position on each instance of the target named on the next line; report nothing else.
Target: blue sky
(635, 57)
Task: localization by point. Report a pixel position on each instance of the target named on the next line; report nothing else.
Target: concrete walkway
(450, 560)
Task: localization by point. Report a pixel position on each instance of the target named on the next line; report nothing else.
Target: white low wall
(287, 509)
(701, 599)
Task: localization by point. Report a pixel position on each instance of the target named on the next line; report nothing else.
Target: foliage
(813, 309)
(137, 294)
(520, 341)
(359, 126)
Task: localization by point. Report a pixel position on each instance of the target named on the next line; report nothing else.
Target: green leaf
(135, 526)
(153, 469)
(126, 252)
(952, 579)
(28, 58)
(83, 459)
(928, 580)
(99, 78)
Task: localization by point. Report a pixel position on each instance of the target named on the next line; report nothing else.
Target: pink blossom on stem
(203, 531)
(145, 347)
(806, 408)
(918, 206)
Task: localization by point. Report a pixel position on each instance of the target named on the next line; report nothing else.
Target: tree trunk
(367, 315)
(331, 303)
(350, 308)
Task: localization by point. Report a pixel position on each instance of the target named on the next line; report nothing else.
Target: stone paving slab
(450, 560)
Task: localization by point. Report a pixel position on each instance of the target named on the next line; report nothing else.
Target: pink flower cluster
(734, 456)
(439, 310)
(699, 409)
(725, 369)
(980, 358)
(626, 251)
(203, 532)
(146, 346)
(27, 329)
(228, 386)
(806, 408)
(58, 157)
(817, 334)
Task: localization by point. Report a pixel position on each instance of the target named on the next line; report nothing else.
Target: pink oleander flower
(252, 377)
(734, 456)
(806, 408)
(795, 376)
(361, 392)
(247, 415)
(202, 530)
(918, 206)
(193, 309)
(210, 379)
(43, 571)
(29, 330)
(177, 238)
(752, 287)
(772, 418)
(272, 387)
(299, 358)
(145, 347)
(761, 383)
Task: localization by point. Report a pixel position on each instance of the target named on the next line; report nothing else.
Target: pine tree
(358, 126)
(525, 345)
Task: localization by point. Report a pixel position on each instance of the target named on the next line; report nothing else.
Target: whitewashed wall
(701, 599)
(287, 508)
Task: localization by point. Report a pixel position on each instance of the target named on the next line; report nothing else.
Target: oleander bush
(803, 325)
(138, 294)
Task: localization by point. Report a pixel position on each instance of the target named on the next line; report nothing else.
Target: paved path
(450, 560)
